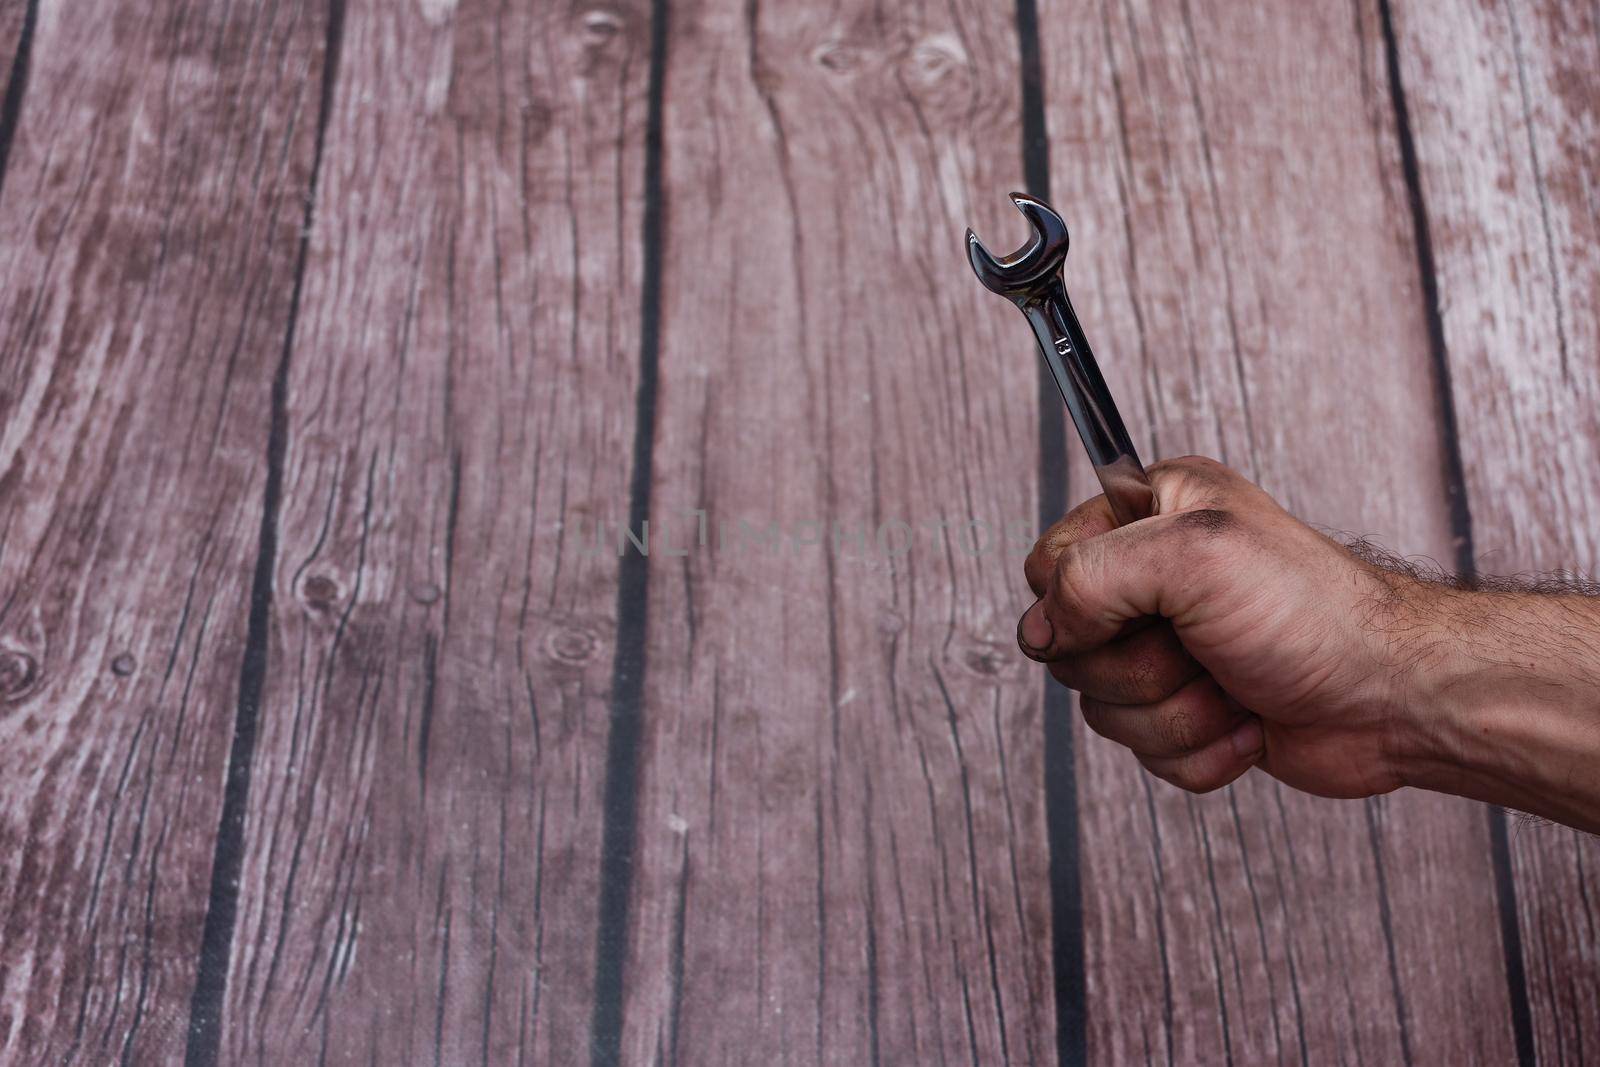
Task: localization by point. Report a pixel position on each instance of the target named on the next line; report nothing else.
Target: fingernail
(1036, 631)
(1248, 740)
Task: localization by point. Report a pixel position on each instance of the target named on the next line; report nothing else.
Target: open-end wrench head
(1037, 261)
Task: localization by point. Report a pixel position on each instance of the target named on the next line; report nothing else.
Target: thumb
(1162, 565)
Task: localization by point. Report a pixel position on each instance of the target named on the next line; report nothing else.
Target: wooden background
(330, 330)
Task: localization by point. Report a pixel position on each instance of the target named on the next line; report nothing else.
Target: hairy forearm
(1500, 699)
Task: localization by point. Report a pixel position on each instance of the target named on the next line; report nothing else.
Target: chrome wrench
(1031, 279)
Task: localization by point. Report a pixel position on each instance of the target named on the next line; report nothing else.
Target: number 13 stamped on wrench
(1031, 279)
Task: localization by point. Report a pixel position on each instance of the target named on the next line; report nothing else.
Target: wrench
(1031, 278)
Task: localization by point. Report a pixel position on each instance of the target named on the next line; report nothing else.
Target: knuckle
(1211, 522)
(1209, 539)
(1204, 471)
(1189, 479)
(1193, 468)
(1206, 464)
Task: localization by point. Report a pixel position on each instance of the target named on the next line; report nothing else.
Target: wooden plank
(842, 853)
(1509, 171)
(1241, 257)
(424, 834)
(18, 18)
(149, 229)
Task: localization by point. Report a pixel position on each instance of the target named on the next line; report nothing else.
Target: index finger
(1089, 519)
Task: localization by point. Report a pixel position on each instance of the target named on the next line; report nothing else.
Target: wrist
(1499, 699)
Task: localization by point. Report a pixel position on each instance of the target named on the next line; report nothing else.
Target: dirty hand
(1223, 633)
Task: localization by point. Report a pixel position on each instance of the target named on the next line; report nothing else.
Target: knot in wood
(836, 57)
(19, 673)
(572, 645)
(604, 33)
(601, 24)
(934, 58)
(986, 660)
(319, 591)
(123, 665)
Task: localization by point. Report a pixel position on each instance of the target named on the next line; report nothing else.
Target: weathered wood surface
(841, 839)
(18, 18)
(1509, 164)
(149, 225)
(424, 833)
(487, 794)
(1242, 250)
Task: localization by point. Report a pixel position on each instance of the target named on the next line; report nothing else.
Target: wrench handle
(1066, 352)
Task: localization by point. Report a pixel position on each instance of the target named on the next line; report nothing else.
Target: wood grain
(1509, 172)
(149, 225)
(841, 839)
(18, 19)
(423, 838)
(1242, 259)
(508, 789)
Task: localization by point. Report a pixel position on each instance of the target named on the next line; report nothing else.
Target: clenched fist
(1223, 633)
